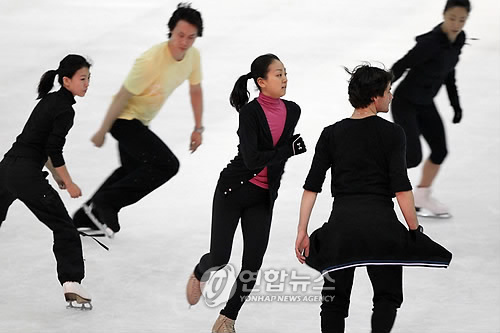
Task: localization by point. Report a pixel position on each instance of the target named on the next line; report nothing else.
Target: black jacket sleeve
(57, 138)
(253, 156)
(398, 175)
(322, 161)
(451, 88)
(419, 54)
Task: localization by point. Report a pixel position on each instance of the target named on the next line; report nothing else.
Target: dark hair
(367, 82)
(457, 3)
(67, 68)
(186, 13)
(259, 68)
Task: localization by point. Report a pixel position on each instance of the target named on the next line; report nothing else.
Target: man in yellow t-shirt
(147, 162)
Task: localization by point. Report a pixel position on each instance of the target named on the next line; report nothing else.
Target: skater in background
(431, 62)
(41, 143)
(366, 155)
(248, 186)
(146, 161)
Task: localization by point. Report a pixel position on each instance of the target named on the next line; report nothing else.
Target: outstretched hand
(302, 246)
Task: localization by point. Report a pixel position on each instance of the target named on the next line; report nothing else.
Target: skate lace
(98, 242)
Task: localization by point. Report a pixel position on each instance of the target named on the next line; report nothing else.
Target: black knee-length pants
(23, 179)
(387, 283)
(420, 119)
(252, 205)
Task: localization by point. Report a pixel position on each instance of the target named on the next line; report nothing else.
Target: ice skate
(84, 224)
(74, 292)
(102, 227)
(223, 325)
(193, 289)
(428, 206)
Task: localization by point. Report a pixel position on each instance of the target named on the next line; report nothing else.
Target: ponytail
(240, 95)
(67, 68)
(46, 83)
(259, 68)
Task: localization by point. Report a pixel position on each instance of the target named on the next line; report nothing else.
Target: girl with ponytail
(41, 143)
(248, 186)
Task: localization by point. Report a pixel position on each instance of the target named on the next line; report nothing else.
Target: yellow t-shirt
(154, 76)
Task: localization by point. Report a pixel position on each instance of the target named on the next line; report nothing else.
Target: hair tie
(249, 75)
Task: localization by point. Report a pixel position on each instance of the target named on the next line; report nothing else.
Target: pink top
(275, 111)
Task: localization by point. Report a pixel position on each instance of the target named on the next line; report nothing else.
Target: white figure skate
(74, 292)
(102, 227)
(428, 206)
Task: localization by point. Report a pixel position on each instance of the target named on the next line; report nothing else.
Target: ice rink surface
(139, 285)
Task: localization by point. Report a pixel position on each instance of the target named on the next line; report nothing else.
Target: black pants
(416, 120)
(252, 205)
(387, 283)
(22, 178)
(146, 164)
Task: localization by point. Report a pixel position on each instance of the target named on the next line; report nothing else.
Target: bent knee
(413, 160)
(170, 167)
(438, 157)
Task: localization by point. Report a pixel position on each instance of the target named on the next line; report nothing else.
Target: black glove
(458, 115)
(413, 233)
(298, 145)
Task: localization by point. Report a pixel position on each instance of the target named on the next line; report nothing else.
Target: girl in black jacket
(431, 63)
(41, 143)
(248, 186)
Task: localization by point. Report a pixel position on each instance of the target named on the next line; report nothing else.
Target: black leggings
(387, 283)
(146, 164)
(23, 179)
(251, 204)
(416, 120)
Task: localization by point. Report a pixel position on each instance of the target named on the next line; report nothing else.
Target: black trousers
(416, 120)
(146, 164)
(23, 179)
(387, 283)
(252, 205)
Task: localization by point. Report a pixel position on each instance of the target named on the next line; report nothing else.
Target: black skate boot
(104, 218)
(83, 223)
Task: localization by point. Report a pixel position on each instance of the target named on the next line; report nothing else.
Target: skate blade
(425, 213)
(102, 227)
(92, 232)
(81, 303)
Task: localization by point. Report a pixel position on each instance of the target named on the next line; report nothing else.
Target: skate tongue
(98, 242)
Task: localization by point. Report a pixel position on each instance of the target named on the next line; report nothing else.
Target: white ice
(138, 286)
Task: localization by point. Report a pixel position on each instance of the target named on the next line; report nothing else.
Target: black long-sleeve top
(44, 134)
(256, 149)
(431, 62)
(366, 156)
